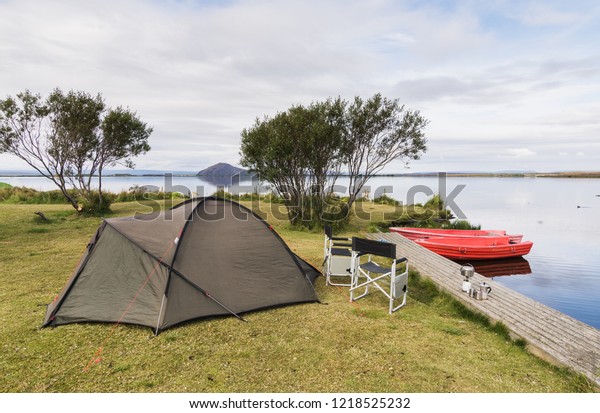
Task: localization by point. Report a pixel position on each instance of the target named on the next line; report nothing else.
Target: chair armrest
(399, 260)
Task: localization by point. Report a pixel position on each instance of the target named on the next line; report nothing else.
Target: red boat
(421, 233)
(476, 248)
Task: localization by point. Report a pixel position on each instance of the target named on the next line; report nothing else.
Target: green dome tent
(204, 257)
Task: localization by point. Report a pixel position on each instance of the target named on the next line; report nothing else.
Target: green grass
(432, 345)
(24, 195)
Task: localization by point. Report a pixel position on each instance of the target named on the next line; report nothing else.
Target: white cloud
(520, 152)
(201, 72)
(544, 14)
(397, 39)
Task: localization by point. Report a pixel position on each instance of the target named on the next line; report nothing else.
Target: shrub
(93, 205)
(461, 224)
(336, 214)
(137, 193)
(270, 198)
(23, 195)
(386, 200)
(430, 215)
(435, 202)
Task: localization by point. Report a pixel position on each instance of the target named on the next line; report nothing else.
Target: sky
(506, 85)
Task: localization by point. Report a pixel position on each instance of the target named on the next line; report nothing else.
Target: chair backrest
(367, 246)
(328, 231)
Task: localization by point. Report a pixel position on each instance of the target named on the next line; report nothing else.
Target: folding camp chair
(370, 274)
(337, 259)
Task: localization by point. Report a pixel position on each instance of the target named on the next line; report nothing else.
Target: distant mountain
(223, 169)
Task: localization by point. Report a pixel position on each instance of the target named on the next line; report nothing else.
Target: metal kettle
(481, 291)
(484, 290)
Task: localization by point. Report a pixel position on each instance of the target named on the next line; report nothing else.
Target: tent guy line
(97, 356)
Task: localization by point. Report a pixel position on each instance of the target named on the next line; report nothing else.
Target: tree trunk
(63, 188)
(100, 189)
(72, 201)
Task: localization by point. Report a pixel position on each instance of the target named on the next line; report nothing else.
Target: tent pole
(162, 305)
(203, 291)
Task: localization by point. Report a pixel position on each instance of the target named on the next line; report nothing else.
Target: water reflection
(501, 268)
(235, 184)
(218, 181)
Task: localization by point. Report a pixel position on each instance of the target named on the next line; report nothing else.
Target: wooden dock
(549, 333)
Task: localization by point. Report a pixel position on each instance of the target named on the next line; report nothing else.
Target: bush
(432, 214)
(270, 198)
(22, 195)
(137, 193)
(386, 200)
(461, 224)
(435, 202)
(336, 214)
(92, 204)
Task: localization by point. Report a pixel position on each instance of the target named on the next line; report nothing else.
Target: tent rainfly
(204, 257)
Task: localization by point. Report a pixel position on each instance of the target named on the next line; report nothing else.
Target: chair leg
(353, 276)
(328, 271)
(392, 308)
(366, 284)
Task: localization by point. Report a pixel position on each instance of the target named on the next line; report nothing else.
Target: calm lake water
(559, 215)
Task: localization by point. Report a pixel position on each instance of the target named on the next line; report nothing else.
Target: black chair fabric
(367, 246)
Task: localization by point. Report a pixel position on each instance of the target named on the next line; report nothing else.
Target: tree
(304, 150)
(297, 150)
(379, 131)
(70, 138)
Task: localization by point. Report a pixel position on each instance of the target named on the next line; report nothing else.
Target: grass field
(431, 345)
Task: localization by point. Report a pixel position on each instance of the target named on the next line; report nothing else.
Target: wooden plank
(548, 332)
(514, 322)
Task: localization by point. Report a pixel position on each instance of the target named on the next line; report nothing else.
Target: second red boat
(419, 233)
(475, 248)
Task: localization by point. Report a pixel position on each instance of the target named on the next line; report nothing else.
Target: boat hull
(482, 248)
(421, 233)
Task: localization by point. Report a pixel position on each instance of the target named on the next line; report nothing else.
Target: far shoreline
(569, 174)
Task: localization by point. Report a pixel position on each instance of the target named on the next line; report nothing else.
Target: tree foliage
(70, 138)
(303, 151)
(380, 130)
(296, 150)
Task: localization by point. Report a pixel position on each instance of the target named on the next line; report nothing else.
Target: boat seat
(337, 262)
(391, 281)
